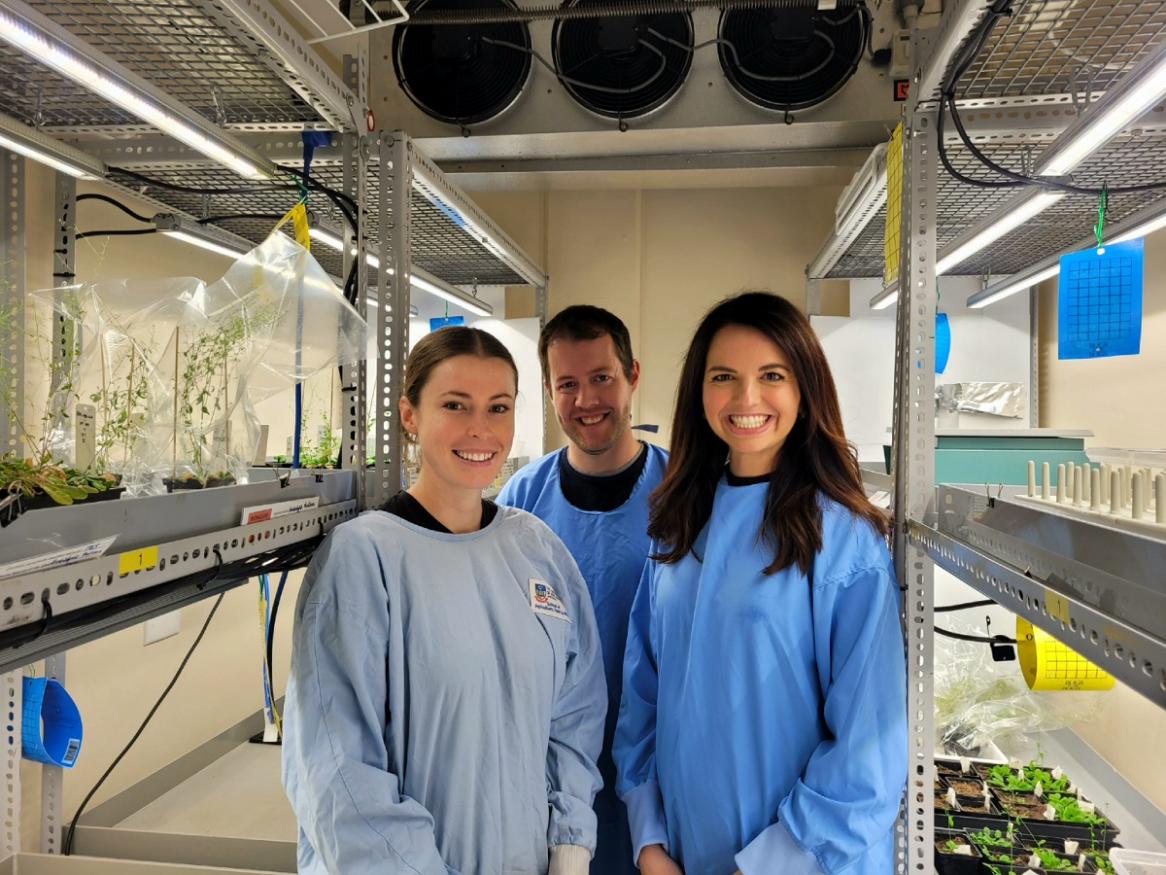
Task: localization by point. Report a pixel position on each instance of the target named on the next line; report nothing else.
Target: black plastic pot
(955, 864)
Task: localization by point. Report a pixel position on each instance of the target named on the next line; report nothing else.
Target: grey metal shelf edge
(168, 551)
(1097, 589)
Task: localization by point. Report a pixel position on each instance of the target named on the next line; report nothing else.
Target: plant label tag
(544, 600)
(1050, 813)
(1071, 846)
(1038, 791)
(951, 800)
(965, 765)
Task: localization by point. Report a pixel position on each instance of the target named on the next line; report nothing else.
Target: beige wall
(660, 259)
(1119, 400)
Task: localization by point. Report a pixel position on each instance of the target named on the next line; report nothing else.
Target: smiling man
(594, 495)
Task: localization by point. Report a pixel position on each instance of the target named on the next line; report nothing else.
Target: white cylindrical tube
(1044, 481)
(1077, 488)
(1031, 479)
(1105, 483)
(1061, 484)
(1094, 488)
(1114, 492)
(1136, 495)
(1160, 498)
(1086, 484)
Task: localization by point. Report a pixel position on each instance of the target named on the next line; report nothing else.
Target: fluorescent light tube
(1013, 218)
(418, 279)
(31, 143)
(1135, 95)
(203, 236)
(991, 296)
(93, 77)
(334, 242)
(885, 298)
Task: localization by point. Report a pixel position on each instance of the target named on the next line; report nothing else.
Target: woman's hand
(654, 860)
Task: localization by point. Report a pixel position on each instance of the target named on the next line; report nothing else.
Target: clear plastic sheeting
(997, 399)
(979, 701)
(173, 368)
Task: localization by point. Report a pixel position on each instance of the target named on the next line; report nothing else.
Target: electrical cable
(210, 220)
(187, 189)
(984, 603)
(67, 847)
(113, 202)
(271, 648)
(123, 232)
(603, 89)
(977, 639)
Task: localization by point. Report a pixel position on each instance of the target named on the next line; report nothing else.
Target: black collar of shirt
(600, 493)
(412, 511)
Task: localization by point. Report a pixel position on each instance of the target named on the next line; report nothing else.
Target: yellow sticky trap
(1048, 664)
(298, 216)
(892, 230)
(137, 560)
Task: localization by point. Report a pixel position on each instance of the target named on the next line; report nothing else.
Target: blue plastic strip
(439, 322)
(942, 342)
(1100, 302)
(51, 726)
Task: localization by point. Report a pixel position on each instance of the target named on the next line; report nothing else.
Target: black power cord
(116, 203)
(964, 606)
(978, 639)
(121, 232)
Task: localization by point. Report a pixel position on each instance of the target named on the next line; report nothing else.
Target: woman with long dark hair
(446, 702)
(763, 722)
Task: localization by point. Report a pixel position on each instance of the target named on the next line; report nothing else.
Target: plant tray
(42, 501)
(1099, 835)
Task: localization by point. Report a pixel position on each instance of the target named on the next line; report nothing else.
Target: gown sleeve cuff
(570, 860)
(645, 817)
(775, 844)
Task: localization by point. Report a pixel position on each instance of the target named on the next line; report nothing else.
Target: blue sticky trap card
(1100, 302)
(942, 342)
(439, 322)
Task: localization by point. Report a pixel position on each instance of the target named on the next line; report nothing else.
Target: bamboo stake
(174, 460)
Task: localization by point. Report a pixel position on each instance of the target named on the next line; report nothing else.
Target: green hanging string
(1099, 228)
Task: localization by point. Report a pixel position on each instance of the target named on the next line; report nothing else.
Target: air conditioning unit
(662, 82)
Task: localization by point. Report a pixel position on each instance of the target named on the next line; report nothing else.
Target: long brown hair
(815, 458)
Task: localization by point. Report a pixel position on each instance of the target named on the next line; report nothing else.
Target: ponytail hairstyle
(815, 458)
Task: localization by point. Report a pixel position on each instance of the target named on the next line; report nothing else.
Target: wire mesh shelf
(176, 45)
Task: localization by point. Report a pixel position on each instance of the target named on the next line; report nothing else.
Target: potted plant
(955, 854)
(44, 478)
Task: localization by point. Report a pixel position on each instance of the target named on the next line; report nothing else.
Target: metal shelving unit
(1094, 587)
(236, 72)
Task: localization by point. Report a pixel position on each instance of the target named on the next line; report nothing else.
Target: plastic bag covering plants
(175, 367)
(978, 700)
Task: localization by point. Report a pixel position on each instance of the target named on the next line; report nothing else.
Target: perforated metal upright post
(51, 789)
(354, 392)
(914, 475)
(1034, 357)
(391, 319)
(12, 303)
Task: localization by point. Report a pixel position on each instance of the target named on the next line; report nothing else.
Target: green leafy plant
(1006, 778)
(1069, 811)
(1102, 861)
(63, 485)
(1050, 861)
(992, 838)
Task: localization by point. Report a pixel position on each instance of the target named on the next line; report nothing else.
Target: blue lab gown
(760, 729)
(610, 547)
(446, 701)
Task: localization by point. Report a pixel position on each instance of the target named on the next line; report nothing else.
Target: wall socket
(161, 628)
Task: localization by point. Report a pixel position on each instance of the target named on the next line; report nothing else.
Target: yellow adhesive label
(1057, 607)
(892, 229)
(137, 560)
(1048, 664)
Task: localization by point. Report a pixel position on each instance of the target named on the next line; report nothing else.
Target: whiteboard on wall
(990, 344)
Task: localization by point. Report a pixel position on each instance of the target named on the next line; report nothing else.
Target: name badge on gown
(544, 600)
